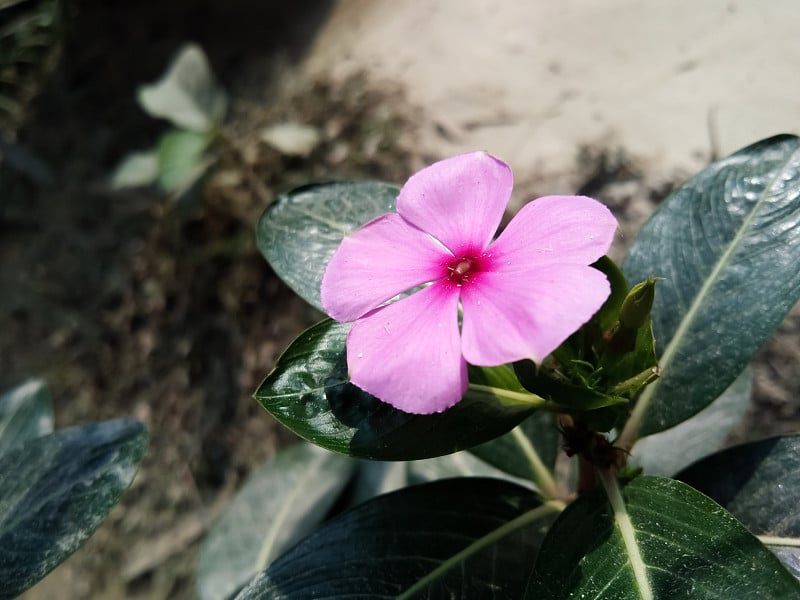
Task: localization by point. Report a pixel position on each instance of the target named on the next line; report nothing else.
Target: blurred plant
(30, 39)
(189, 97)
(56, 488)
(627, 515)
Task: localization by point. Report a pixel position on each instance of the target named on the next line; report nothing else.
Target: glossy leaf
(759, 483)
(726, 244)
(663, 539)
(301, 230)
(668, 452)
(282, 501)
(187, 95)
(308, 391)
(472, 537)
(26, 412)
(55, 491)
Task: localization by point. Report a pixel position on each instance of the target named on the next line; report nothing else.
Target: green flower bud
(637, 304)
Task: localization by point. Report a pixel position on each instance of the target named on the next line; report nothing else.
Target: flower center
(462, 269)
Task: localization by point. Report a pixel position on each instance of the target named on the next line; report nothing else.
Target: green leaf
(726, 243)
(471, 537)
(759, 483)
(308, 391)
(301, 230)
(661, 539)
(55, 491)
(668, 452)
(458, 464)
(512, 453)
(282, 501)
(187, 94)
(26, 412)
(181, 160)
(137, 169)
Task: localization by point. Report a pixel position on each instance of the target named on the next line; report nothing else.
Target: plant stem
(776, 540)
(540, 474)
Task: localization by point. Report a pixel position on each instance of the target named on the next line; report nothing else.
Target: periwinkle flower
(520, 296)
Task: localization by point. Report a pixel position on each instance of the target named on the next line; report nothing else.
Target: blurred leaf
(181, 160)
(26, 412)
(301, 230)
(726, 243)
(187, 94)
(308, 391)
(26, 162)
(55, 491)
(662, 540)
(292, 139)
(511, 452)
(472, 537)
(137, 169)
(668, 452)
(282, 501)
(759, 483)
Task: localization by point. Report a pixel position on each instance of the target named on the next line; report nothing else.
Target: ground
(130, 304)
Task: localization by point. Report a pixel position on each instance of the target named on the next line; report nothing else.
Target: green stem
(457, 559)
(525, 398)
(628, 533)
(540, 474)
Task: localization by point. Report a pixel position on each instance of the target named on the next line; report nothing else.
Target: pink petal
(555, 230)
(409, 353)
(459, 201)
(510, 316)
(384, 258)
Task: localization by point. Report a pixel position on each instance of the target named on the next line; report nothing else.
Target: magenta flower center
(462, 269)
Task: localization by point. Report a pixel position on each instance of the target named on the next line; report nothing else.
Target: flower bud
(637, 304)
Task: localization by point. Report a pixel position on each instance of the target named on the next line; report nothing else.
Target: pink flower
(520, 296)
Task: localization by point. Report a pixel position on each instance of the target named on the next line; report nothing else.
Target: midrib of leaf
(272, 532)
(775, 540)
(540, 474)
(525, 519)
(628, 533)
(630, 432)
(330, 223)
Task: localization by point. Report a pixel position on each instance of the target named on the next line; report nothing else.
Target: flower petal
(409, 353)
(385, 257)
(555, 230)
(459, 201)
(511, 316)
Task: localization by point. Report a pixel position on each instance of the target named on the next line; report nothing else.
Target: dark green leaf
(308, 391)
(26, 412)
(301, 230)
(759, 483)
(662, 540)
(475, 538)
(458, 464)
(55, 491)
(726, 243)
(512, 452)
(668, 452)
(282, 501)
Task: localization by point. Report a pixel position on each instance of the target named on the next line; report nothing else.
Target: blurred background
(152, 303)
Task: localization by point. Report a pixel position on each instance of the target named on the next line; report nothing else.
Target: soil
(131, 304)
